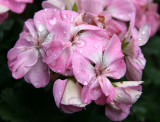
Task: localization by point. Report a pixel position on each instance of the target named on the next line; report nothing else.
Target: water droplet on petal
(64, 16)
(81, 51)
(36, 83)
(95, 46)
(60, 93)
(53, 21)
(55, 10)
(85, 83)
(81, 43)
(129, 15)
(143, 32)
(121, 16)
(49, 37)
(78, 72)
(72, 19)
(41, 28)
(140, 39)
(119, 96)
(59, 70)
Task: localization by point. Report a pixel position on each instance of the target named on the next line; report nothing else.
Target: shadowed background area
(21, 102)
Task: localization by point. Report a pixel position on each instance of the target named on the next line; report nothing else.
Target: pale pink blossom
(127, 93)
(67, 95)
(16, 6)
(147, 13)
(93, 71)
(70, 35)
(134, 58)
(26, 57)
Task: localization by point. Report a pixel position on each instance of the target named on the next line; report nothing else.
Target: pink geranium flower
(127, 93)
(70, 35)
(67, 95)
(16, 6)
(147, 13)
(93, 71)
(26, 57)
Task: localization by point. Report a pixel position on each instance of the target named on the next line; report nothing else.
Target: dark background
(21, 102)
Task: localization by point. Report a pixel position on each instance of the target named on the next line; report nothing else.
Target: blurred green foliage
(21, 102)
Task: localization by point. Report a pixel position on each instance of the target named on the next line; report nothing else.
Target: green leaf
(75, 8)
(124, 45)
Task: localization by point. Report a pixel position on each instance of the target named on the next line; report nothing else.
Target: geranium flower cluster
(91, 48)
(16, 6)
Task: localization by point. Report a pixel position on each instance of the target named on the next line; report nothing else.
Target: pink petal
(30, 28)
(24, 62)
(95, 91)
(70, 109)
(143, 35)
(121, 9)
(117, 113)
(58, 4)
(113, 59)
(39, 75)
(60, 64)
(95, 8)
(52, 51)
(85, 95)
(82, 69)
(72, 94)
(101, 100)
(135, 67)
(58, 90)
(17, 7)
(3, 9)
(128, 83)
(122, 96)
(107, 88)
(135, 94)
(93, 45)
(43, 16)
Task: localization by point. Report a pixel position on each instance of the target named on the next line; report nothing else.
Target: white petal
(143, 34)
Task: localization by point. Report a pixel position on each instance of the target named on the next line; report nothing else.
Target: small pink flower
(108, 62)
(67, 95)
(147, 13)
(127, 93)
(134, 58)
(16, 6)
(71, 35)
(26, 57)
